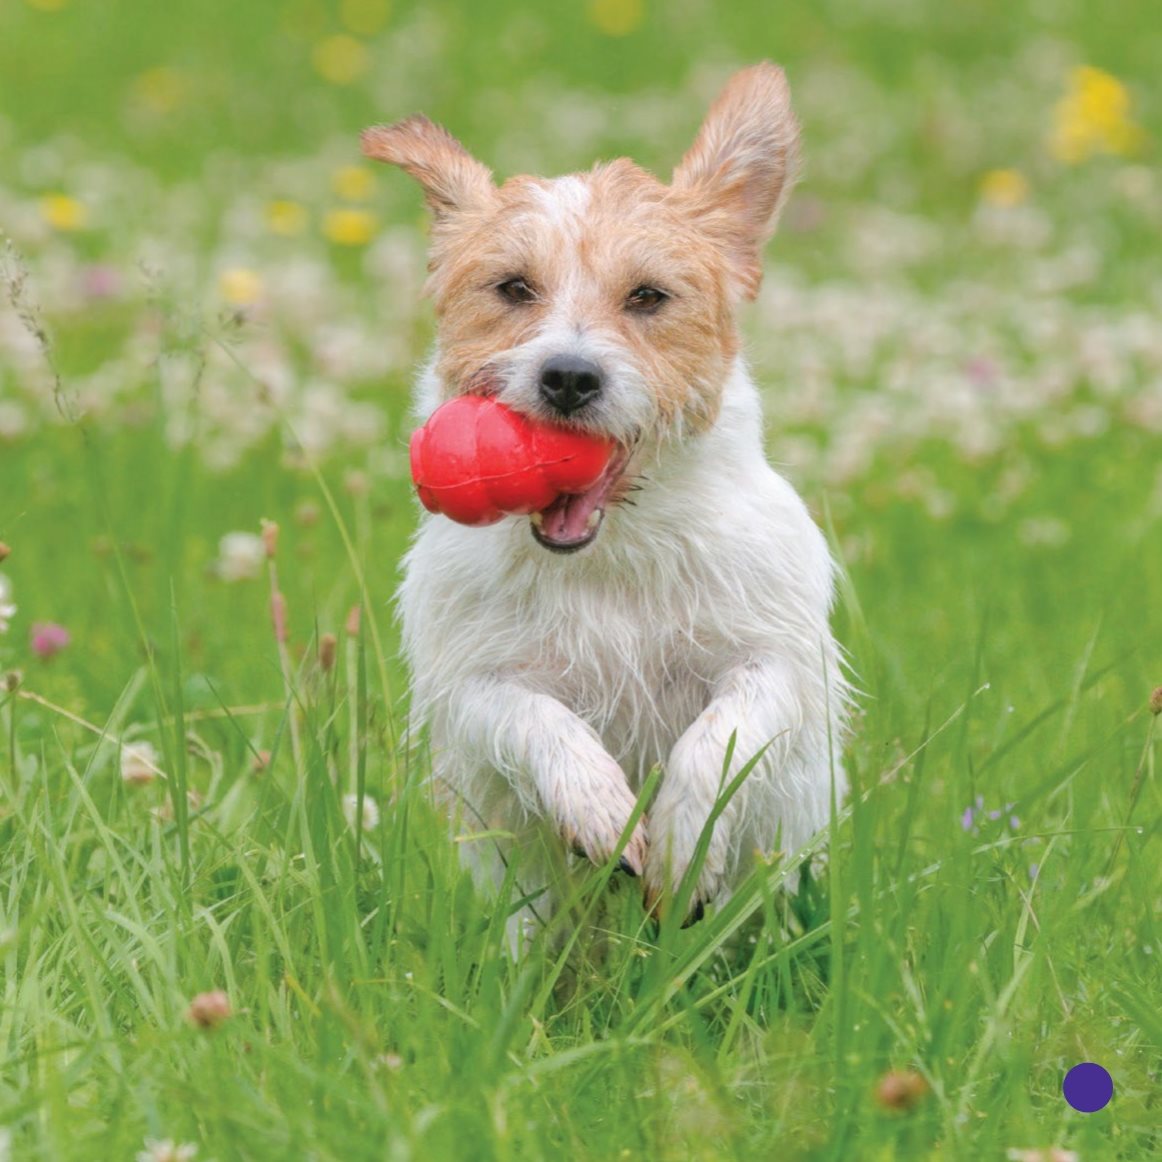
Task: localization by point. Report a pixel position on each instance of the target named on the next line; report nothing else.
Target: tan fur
(699, 240)
(740, 169)
(452, 179)
(634, 233)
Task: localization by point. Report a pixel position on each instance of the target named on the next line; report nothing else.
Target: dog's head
(602, 300)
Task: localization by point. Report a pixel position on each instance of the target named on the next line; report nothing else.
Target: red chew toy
(475, 460)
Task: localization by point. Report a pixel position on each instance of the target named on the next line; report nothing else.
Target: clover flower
(7, 608)
(241, 557)
(139, 763)
(208, 1010)
(166, 1150)
(370, 811)
(900, 1090)
(47, 638)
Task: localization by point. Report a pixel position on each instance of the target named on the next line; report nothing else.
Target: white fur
(554, 683)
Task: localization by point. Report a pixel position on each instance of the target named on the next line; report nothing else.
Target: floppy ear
(741, 166)
(452, 179)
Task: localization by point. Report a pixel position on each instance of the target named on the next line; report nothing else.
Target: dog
(676, 613)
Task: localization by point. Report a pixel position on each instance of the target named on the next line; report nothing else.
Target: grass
(1000, 606)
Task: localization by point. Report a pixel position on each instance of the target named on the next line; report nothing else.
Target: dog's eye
(516, 290)
(645, 298)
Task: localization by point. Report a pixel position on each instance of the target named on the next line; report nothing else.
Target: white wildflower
(166, 1151)
(370, 811)
(1044, 532)
(241, 557)
(1053, 1154)
(139, 763)
(7, 609)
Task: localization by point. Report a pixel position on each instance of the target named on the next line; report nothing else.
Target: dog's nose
(569, 382)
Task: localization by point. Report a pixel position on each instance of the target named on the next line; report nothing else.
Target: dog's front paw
(668, 862)
(594, 830)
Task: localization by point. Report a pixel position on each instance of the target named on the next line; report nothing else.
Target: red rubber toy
(476, 460)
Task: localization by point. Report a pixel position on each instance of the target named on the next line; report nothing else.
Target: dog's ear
(452, 179)
(741, 166)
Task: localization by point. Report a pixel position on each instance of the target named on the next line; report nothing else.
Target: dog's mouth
(572, 521)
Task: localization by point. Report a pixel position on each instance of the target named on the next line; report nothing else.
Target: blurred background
(959, 323)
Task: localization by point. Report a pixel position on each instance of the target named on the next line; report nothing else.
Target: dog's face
(605, 300)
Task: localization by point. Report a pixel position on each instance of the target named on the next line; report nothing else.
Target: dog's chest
(632, 664)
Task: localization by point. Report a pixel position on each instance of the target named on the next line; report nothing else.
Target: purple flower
(970, 813)
(970, 820)
(48, 638)
(100, 281)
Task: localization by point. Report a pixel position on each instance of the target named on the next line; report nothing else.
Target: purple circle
(1088, 1087)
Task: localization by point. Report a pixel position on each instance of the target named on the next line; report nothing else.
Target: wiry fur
(554, 683)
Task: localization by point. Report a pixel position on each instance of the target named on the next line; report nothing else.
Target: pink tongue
(565, 519)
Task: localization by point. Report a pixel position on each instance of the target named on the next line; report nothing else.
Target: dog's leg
(555, 762)
(763, 705)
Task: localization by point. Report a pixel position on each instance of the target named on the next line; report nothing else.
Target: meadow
(232, 925)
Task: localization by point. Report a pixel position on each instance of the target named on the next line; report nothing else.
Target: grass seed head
(278, 616)
(328, 644)
(1156, 700)
(351, 627)
(270, 537)
(5, 551)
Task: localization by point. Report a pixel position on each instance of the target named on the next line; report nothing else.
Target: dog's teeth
(594, 517)
(537, 519)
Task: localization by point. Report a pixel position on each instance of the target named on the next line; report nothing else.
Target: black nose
(569, 382)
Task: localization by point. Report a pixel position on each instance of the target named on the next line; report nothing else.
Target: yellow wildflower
(285, 217)
(240, 286)
(1004, 187)
(353, 183)
(64, 213)
(349, 227)
(364, 17)
(617, 17)
(1094, 116)
(160, 89)
(340, 59)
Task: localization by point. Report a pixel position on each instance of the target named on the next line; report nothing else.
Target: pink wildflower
(209, 1010)
(48, 638)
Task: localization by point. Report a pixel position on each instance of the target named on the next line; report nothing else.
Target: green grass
(1000, 606)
